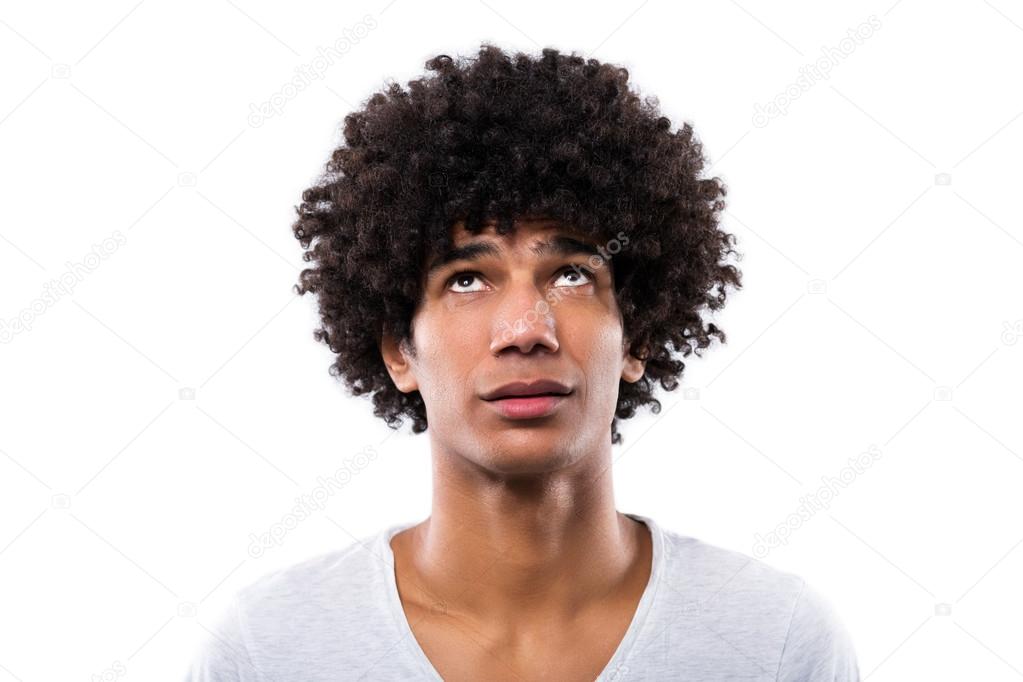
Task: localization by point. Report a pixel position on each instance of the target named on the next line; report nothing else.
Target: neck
(524, 549)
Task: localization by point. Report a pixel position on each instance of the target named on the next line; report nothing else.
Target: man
(507, 254)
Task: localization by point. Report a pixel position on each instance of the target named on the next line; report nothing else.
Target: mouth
(530, 395)
(532, 406)
(536, 388)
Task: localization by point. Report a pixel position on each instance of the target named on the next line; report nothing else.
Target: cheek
(447, 356)
(602, 334)
(600, 350)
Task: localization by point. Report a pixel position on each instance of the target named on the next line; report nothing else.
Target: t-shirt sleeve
(222, 656)
(818, 646)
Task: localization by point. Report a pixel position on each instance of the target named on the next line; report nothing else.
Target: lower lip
(528, 408)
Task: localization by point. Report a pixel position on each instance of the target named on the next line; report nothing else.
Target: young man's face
(489, 320)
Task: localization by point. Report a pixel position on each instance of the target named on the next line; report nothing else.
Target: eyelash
(568, 268)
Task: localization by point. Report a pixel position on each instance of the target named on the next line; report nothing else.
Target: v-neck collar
(621, 652)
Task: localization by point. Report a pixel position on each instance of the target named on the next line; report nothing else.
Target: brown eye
(462, 278)
(575, 271)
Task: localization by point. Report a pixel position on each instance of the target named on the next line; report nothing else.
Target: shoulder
(723, 575)
(818, 646)
(285, 610)
(780, 622)
(312, 579)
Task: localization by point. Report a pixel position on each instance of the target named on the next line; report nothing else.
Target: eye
(573, 271)
(462, 276)
(467, 276)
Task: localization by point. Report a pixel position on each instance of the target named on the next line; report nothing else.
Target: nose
(523, 320)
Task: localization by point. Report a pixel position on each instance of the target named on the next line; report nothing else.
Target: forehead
(540, 237)
(525, 229)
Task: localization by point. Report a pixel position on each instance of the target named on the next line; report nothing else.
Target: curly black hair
(489, 139)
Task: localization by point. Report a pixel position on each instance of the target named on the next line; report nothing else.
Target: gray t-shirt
(707, 613)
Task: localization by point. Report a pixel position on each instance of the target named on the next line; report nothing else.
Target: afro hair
(487, 140)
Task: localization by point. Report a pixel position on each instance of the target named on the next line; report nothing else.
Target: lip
(532, 389)
(528, 407)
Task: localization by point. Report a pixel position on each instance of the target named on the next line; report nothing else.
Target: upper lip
(524, 388)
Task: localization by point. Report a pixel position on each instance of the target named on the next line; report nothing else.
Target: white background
(879, 219)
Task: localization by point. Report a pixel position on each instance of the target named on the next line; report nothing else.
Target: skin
(524, 569)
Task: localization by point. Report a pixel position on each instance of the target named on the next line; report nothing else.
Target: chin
(525, 453)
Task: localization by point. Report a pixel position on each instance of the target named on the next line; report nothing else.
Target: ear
(632, 367)
(398, 364)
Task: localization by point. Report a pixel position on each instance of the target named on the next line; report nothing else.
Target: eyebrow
(560, 246)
